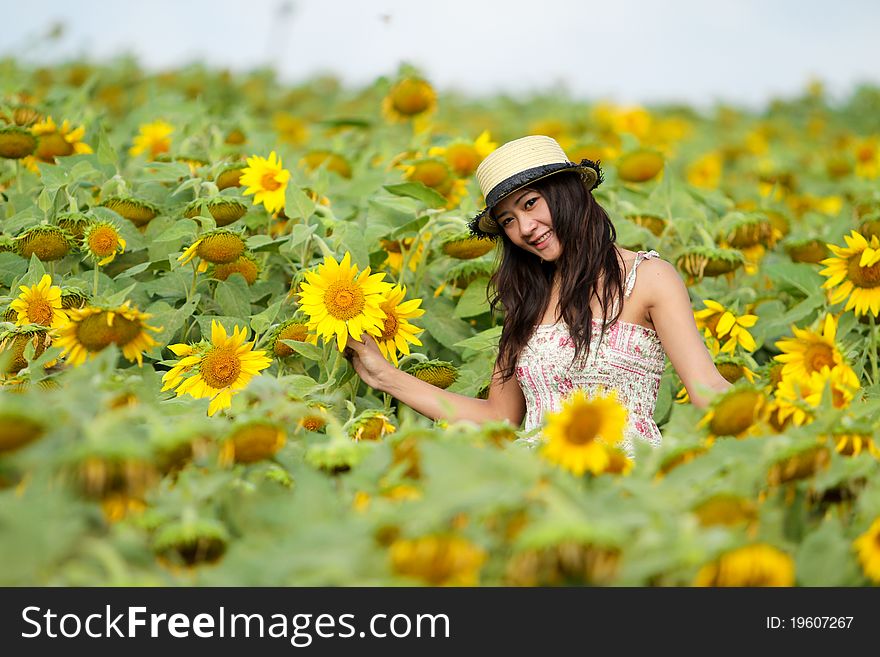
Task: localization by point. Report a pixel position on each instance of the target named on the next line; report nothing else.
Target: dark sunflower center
(863, 277)
(51, 146)
(389, 331)
(734, 414)
(583, 427)
(220, 367)
(93, 333)
(344, 300)
(125, 330)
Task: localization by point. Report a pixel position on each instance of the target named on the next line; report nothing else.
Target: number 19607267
(809, 622)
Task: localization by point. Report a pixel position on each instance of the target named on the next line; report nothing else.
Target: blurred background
(626, 51)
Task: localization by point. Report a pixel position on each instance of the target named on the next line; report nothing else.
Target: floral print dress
(630, 359)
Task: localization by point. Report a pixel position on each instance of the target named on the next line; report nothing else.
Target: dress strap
(631, 279)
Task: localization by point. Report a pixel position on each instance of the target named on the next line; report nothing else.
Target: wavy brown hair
(522, 283)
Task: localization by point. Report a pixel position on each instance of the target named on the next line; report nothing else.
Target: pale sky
(699, 51)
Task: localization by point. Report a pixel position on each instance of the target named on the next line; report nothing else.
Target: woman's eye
(506, 221)
(530, 203)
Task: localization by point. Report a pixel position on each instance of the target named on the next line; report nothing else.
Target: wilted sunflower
(223, 209)
(438, 560)
(339, 301)
(329, 160)
(855, 273)
(15, 342)
(16, 142)
(737, 411)
(40, 304)
(396, 330)
(809, 351)
(810, 249)
(103, 242)
(409, 98)
(640, 165)
(254, 441)
(464, 156)
(217, 247)
(700, 261)
(246, 265)
(18, 427)
(191, 542)
(438, 373)
(719, 323)
(801, 463)
(267, 180)
(57, 141)
(48, 243)
(752, 565)
(580, 433)
(137, 211)
(229, 176)
(217, 370)
(750, 230)
(93, 329)
(650, 221)
(466, 246)
(867, 548)
(153, 139)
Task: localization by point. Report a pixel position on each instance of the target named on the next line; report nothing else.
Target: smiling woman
(574, 320)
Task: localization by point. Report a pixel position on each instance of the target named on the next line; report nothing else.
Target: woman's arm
(505, 402)
(672, 315)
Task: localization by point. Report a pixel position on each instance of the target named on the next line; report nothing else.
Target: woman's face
(525, 218)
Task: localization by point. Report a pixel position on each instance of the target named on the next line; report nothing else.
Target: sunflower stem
(192, 287)
(95, 280)
(18, 185)
(872, 346)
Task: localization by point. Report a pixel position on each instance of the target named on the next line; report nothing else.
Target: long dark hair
(522, 283)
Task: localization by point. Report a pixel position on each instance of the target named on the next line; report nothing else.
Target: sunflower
(255, 441)
(396, 330)
(735, 412)
(751, 565)
(16, 142)
(436, 174)
(725, 509)
(700, 261)
(797, 397)
(706, 171)
(290, 129)
(718, 323)
(809, 351)
(855, 272)
(40, 304)
(438, 560)
(438, 373)
(293, 329)
(103, 241)
(867, 547)
(267, 180)
(412, 247)
(218, 247)
(810, 249)
(93, 329)
(330, 161)
(853, 444)
(48, 243)
(411, 97)
(370, 425)
(73, 223)
(867, 154)
(798, 464)
(15, 343)
(341, 302)
(216, 370)
(580, 433)
(464, 156)
(223, 209)
(137, 211)
(229, 176)
(153, 139)
(246, 265)
(640, 165)
(190, 542)
(466, 246)
(650, 221)
(57, 141)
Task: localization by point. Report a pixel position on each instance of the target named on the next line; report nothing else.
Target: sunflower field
(185, 255)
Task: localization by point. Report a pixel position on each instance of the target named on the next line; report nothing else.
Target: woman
(560, 275)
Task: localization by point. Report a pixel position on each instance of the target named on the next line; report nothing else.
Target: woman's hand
(369, 363)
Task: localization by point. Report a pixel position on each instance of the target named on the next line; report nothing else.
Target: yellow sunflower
(706, 171)
(267, 180)
(810, 351)
(438, 560)
(217, 370)
(752, 565)
(867, 154)
(581, 432)
(410, 98)
(796, 397)
(867, 547)
(40, 304)
(719, 323)
(103, 242)
(396, 330)
(92, 329)
(153, 139)
(464, 156)
(640, 165)
(57, 141)
(341, 302)
(855, 272)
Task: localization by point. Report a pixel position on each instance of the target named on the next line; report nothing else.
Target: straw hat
(519, 163)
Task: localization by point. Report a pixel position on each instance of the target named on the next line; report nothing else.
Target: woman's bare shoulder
(659, 279)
